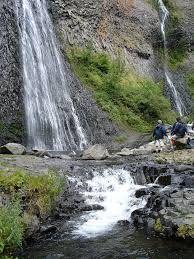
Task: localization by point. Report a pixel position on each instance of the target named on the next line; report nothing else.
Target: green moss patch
(158, 227)
(185, 231)
(130, 100)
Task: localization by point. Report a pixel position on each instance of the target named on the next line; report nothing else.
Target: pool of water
(97, 234)
(119, 243)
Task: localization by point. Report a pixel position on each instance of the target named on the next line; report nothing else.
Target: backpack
(180, 129)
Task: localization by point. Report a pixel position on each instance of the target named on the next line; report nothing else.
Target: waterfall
(179, 105)
(114, 189)
(52, 122)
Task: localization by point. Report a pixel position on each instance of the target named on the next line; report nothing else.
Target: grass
(130, 100)
(11, 227)
(37, 193)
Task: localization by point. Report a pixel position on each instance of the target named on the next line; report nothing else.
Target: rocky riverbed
(168, 188)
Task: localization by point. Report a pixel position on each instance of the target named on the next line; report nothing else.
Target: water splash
(52, 122)
(179, 105)
(115, 191)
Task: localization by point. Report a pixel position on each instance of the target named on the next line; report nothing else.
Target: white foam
(115, 191)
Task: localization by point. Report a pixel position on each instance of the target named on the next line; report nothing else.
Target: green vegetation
(37, 192)
(190, 82)
(185, 231)
(177, 53)
(175, 13)
(158, 226)
(11, 227)
(130, 100)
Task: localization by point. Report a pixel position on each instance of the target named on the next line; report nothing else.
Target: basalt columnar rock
(129, 27)
(170, 206)
(11, 100)
(132, 29)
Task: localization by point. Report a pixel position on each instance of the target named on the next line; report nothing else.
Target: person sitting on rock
(158, 134)
(179, 130)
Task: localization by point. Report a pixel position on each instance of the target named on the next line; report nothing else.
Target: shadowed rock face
(11, 104)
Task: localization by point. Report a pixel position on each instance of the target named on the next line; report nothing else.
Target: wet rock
(4, 199)
(96, 152)
(32, 223)
(13, 148)
(123, 222)
(164, 180)
(141, 192)
(91, 207)
(48, 229)
(169, 212)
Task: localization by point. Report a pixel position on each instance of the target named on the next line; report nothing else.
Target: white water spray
(175, 94)
(115, 191)
(51, 118)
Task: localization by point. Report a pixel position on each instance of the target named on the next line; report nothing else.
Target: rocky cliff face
(128, 27)
(11, 104)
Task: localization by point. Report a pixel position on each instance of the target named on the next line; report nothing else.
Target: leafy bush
(130, 100)
(11, 227)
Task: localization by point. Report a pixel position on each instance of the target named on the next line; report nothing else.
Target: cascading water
(52, 122)
(179, 105)
(115, 191)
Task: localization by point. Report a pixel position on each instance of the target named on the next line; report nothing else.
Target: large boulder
(96, 152)
(13, 148)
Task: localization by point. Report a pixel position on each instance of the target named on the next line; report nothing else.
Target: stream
(107, 232)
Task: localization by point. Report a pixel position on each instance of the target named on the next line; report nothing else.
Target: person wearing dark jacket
(158, 134)
(179, 130)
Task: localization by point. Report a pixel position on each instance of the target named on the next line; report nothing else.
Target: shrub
(132, 101)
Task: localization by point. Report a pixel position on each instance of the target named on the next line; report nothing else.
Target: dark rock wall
(11, 104)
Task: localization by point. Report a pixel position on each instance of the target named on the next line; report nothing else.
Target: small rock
(65, 157)
(13, 148)
(141, 192)
(96, 152)
(48, 229)
(125, 152)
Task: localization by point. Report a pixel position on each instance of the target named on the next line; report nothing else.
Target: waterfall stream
(114, 190)
(52, 122)
(179, 105)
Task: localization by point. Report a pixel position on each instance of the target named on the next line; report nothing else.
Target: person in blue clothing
(179, 130)
(159, 133)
